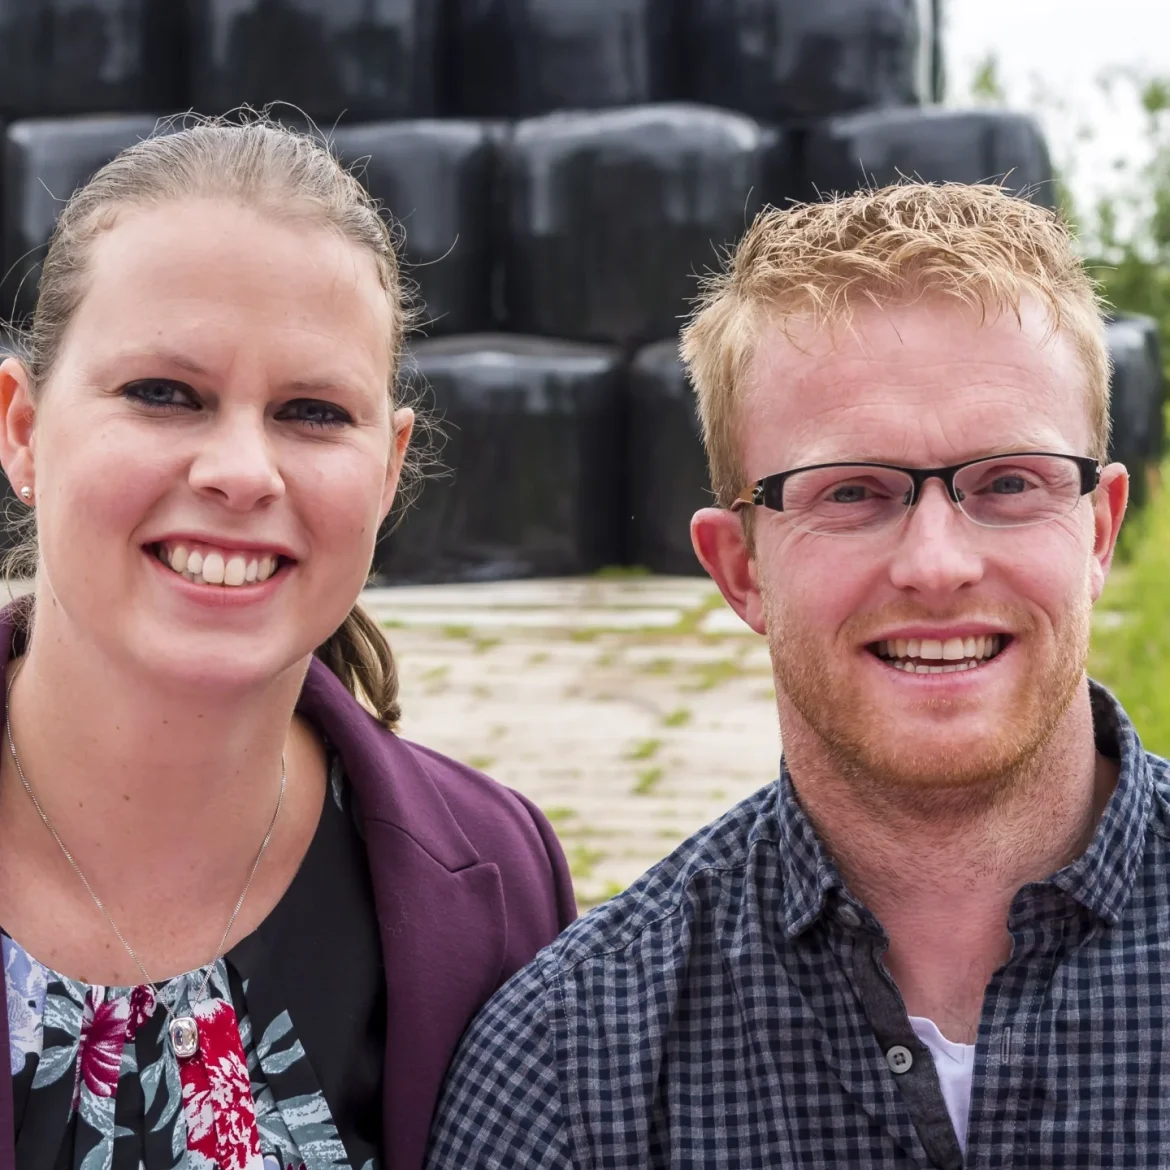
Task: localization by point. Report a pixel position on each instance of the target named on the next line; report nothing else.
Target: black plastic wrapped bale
(436, 179)
(367, 59)
(668, 466)
(90, 56)
(1139, 393)
(534, 430)
(45, 161)
(786, 60)
(935, 146)
(519, 58)
(610, 216)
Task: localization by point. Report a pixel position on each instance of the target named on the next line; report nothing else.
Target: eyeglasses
(857, 499)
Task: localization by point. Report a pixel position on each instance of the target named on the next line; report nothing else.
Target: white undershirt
(956, 1066)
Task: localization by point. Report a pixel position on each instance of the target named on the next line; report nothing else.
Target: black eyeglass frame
(769, 491)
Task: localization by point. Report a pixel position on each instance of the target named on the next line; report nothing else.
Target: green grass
(583, 861)
(679, 717)
(647, 781)
(644, 750)
(1132, 657)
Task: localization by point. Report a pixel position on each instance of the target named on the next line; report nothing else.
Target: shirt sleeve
(501, 1104)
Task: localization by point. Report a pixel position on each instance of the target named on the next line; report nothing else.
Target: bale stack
(560, 170)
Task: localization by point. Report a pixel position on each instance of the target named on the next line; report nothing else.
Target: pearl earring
(26, 492)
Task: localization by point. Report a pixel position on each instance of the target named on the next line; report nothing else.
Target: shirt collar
(1101, 879)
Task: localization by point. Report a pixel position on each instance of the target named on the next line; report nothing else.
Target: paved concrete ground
(633, 711)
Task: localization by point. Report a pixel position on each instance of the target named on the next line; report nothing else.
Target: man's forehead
(895, 376)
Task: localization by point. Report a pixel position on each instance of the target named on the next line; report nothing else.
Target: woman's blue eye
(160, 392)
(314, 412)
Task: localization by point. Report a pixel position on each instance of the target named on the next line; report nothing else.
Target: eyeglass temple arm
(745, 498)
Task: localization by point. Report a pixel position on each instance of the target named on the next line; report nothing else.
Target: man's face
(925, 385)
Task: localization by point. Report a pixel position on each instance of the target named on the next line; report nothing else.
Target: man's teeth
(933, 656)
(216, 568)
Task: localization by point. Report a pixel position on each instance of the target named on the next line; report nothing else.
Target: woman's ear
(403, 425)
(17, 416)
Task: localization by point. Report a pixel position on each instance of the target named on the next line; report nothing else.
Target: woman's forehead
(185, 274)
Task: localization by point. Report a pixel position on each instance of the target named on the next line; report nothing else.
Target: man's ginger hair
(891, 246)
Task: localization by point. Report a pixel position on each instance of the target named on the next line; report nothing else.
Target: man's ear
(403, 427)
(721, 546)
(1109, 504)
(17, 415)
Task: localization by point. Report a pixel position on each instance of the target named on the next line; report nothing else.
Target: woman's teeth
(216, 568)
(931, 656)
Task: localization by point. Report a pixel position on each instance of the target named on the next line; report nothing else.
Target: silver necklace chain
(93, 894)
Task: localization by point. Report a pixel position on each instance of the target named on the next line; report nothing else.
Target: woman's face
(214, 450)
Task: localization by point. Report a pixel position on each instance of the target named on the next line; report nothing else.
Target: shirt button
(900, 1059)
(847, 916)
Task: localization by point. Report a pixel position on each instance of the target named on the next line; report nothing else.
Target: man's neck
(942, 887)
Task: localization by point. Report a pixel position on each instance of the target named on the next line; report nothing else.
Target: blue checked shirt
(731, 1011)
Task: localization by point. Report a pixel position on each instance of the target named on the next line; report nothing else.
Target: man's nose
(936, 551)
(236, 463)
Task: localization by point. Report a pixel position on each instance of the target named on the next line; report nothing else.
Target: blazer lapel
(440, 911)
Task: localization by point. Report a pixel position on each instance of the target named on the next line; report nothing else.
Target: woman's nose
(236, 464)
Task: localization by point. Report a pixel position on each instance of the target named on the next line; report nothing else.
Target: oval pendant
(184, 1036)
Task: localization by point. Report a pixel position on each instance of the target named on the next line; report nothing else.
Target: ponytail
(358, 653)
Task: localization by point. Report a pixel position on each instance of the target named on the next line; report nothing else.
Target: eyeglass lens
(1003, 493)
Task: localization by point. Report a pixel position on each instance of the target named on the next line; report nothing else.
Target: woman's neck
(140, 778)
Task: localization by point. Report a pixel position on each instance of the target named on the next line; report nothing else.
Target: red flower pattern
(142, 1004)
(217, 1094)
(99, 1052)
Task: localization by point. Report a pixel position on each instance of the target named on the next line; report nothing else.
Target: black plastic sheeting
(436, 179)
(367, 59)
(935, 146)
(610, 216)
(534, 432)
(90, 56)
(519, 58)
(1139, 394)
(668, 467)
(784, 60)
(45, 161)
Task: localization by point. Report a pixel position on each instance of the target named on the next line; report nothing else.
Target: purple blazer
(469, 883)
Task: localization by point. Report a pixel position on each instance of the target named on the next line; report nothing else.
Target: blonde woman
(244, 924)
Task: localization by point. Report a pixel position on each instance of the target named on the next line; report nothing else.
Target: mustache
(865, 628)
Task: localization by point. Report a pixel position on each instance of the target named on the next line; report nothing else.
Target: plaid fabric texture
(727, 1012)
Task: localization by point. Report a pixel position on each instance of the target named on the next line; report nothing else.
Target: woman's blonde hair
(977, 244)
(283, 173)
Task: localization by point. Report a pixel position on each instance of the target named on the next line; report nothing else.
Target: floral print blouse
(288, 1075)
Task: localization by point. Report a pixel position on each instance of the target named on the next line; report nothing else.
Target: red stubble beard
(864, 735)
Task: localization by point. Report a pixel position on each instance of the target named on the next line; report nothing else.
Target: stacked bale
(519, 58)
(786, 60)
(611, 215)
(877, 148)
(45, 161)
(371, 60)
(1138, 400)
(668, 466)
(436, 178)
(534, 440)
(90, 56)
